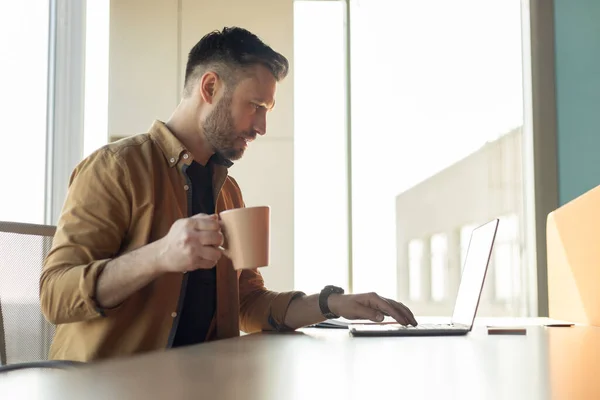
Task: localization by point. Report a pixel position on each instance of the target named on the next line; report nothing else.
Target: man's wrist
(157, 265)
(324, 303)
(333, 302)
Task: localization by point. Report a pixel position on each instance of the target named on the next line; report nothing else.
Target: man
(135, 264)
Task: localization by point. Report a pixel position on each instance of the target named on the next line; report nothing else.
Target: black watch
(324, 296)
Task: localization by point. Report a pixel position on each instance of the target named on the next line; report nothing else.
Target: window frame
(66, 100)
(541, 168)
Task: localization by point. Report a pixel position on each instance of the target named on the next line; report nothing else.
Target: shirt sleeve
(90, 231)
(262, 309)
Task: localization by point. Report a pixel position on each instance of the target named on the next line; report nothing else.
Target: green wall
(577, 34)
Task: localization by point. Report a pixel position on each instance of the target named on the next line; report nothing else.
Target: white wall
(142, 64)
(149, 42)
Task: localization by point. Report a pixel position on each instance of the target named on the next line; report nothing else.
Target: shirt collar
(219, 159)
(172, 148)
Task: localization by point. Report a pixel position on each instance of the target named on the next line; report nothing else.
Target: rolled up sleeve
(90, 232)
(262, 309)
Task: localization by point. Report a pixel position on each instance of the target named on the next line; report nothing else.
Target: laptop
(467, 300)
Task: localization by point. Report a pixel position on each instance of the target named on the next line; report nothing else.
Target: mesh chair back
(25, 335)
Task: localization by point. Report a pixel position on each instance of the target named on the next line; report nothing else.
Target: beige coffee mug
(247, 236)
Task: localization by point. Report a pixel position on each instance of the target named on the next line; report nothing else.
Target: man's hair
(228, 53)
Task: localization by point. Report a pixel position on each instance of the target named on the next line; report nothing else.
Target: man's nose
(260, 126)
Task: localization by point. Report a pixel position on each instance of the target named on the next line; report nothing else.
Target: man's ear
(210, 83)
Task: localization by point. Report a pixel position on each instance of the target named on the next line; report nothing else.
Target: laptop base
(391, 330)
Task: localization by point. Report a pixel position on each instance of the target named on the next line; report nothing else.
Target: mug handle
(225, 251)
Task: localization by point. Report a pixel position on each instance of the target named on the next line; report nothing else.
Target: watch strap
(323, 300)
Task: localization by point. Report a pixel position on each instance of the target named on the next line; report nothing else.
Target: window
(23, 101)
(434, 145)
(437, 116)
(439, 266)
(42, 101)
(320, 188)
(415, 265)
(96, 75)
(507, 261)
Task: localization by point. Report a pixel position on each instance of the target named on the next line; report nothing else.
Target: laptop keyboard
(431, 326)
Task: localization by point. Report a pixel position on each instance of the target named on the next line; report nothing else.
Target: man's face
(239, 116)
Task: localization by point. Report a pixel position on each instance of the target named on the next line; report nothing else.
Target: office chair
(25, 335)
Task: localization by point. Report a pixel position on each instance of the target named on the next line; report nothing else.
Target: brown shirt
(122, 197)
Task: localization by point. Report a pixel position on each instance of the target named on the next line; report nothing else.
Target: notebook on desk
(467, 300)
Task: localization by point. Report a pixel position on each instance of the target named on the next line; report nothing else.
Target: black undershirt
(201, 291)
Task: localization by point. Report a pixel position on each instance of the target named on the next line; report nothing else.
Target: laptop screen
(473, 274)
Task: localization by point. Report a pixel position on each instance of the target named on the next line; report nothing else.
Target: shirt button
(186, 156)
(172, 160)
(173, 314)
(186, 187)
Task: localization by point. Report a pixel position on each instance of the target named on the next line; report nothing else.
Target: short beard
(219, 130)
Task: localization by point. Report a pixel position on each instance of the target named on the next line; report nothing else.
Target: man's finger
(384, 306)
(202, 215)
(209, 253)
(203, 222)
(397, 314)
(407, 312)
(210, 238)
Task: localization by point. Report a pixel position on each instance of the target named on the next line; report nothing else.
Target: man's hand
(370, 306)
(192, 243)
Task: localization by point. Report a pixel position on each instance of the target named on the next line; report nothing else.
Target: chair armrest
(56, 364)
